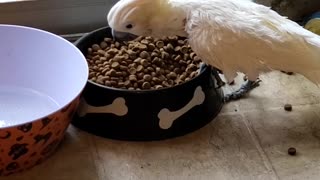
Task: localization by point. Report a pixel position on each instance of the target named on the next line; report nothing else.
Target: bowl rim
(80, 90)
(92, 33)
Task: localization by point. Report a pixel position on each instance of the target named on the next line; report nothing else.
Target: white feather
(232, 35)
(242, 36)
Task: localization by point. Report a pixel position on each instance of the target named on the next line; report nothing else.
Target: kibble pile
(142, 64)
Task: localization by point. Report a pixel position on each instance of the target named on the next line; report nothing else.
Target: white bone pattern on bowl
(167, 117)
(118, 107)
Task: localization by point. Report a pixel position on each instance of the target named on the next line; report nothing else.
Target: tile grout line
(262, 153)
(101, 173)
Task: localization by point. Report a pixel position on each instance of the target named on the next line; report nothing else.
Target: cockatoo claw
(244, 89)
(219, 81)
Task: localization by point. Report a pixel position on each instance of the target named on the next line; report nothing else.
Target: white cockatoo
(231, 35)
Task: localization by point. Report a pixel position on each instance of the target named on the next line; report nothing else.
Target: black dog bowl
(148, 114)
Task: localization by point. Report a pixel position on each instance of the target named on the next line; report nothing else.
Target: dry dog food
(142, 64)
(288, 73)
(288, 107)
(292, 151)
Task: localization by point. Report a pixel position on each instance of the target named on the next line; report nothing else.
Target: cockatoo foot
(220, 82)
(245, 88)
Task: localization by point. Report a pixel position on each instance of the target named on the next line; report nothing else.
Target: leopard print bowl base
(42, 77)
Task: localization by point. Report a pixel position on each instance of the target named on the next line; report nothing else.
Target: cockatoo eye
(129, 26)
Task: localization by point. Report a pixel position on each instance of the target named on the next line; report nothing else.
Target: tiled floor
(248, 140)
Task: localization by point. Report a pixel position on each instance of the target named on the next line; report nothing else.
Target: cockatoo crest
(147, 17)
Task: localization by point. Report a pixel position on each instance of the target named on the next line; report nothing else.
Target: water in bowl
(18, 105)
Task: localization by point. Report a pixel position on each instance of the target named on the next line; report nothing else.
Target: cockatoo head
(155, 18)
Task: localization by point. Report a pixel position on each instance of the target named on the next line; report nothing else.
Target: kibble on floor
(292, 151)
(288, 107)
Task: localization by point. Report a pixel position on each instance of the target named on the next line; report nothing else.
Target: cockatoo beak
(122, 36)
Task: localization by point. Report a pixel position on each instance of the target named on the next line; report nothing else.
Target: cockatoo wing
(254, 42)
